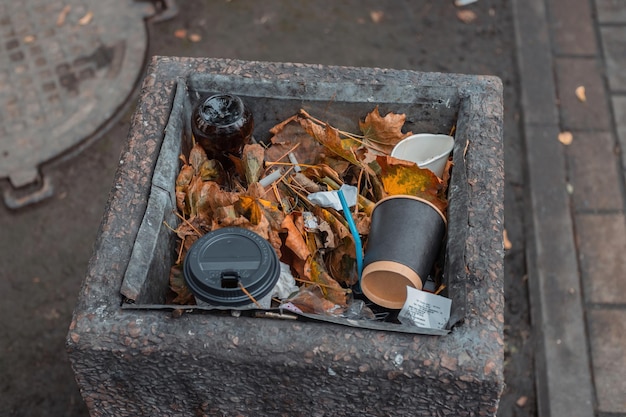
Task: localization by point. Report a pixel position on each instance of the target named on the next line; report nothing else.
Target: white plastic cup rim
(427, 150)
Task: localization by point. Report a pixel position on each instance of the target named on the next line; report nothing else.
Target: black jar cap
(222, 261)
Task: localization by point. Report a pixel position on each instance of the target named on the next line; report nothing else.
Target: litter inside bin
(267, 192)
(266, 189)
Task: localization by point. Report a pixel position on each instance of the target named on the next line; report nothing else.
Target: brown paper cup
(405, 237)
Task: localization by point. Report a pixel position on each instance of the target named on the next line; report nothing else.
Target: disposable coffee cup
(428, 151)
(229, 267)
(404, 241)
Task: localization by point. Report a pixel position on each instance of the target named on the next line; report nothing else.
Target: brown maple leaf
(383, 132)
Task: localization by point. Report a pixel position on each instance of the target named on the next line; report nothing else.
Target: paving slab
(611, 11)
(75, 63)
(593, 171)
(592, 114)
(572, 27)
(601, 242)
(614, 44)
(607, 333)
(619, 113)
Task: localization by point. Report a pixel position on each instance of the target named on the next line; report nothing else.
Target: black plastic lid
(221, 260)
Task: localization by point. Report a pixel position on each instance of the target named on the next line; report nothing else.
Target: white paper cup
(427, 150)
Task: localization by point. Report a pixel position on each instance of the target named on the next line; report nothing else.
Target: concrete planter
(133, 356)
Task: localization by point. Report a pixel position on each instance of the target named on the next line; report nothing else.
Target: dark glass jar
(222, 125)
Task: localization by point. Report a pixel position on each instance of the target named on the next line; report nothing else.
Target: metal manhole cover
(65, 68)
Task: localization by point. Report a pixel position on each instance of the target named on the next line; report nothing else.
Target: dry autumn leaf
(580, 93)
(290, 136)
(384, 132)
(376, 15)
(402, 177)
(180, 33)
(178, 286)
(294, 240)
(566, 138)
(86, 19)
(466, 16)
(252, 159)
(63, 15)
(329, 137)
(330, 288)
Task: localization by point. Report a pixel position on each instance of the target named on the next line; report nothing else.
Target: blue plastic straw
(355, 235)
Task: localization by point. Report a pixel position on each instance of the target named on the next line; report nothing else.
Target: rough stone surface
(131, 362)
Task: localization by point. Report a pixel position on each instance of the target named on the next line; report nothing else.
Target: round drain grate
(65, 68)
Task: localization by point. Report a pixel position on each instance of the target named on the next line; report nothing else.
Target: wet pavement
(564, 204)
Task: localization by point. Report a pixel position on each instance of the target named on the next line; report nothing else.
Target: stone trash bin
(134, 356)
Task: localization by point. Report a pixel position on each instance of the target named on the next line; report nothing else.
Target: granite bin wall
(134, 356)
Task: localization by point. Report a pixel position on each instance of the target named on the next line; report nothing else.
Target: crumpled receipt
(331, 198)
(423, 309)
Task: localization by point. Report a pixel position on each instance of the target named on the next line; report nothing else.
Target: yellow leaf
(86, 19)
(249, 208)
(406, 178)
(580, 93)
(566, 138)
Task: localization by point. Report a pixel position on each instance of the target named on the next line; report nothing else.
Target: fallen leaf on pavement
(580, 93)
(86, 19)
(180, 33)
(376, 16)
(566, 138)
(194, 37)
(521, 401)
(466, 16)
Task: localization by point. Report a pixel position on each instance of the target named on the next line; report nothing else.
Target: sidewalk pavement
(577, 233)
